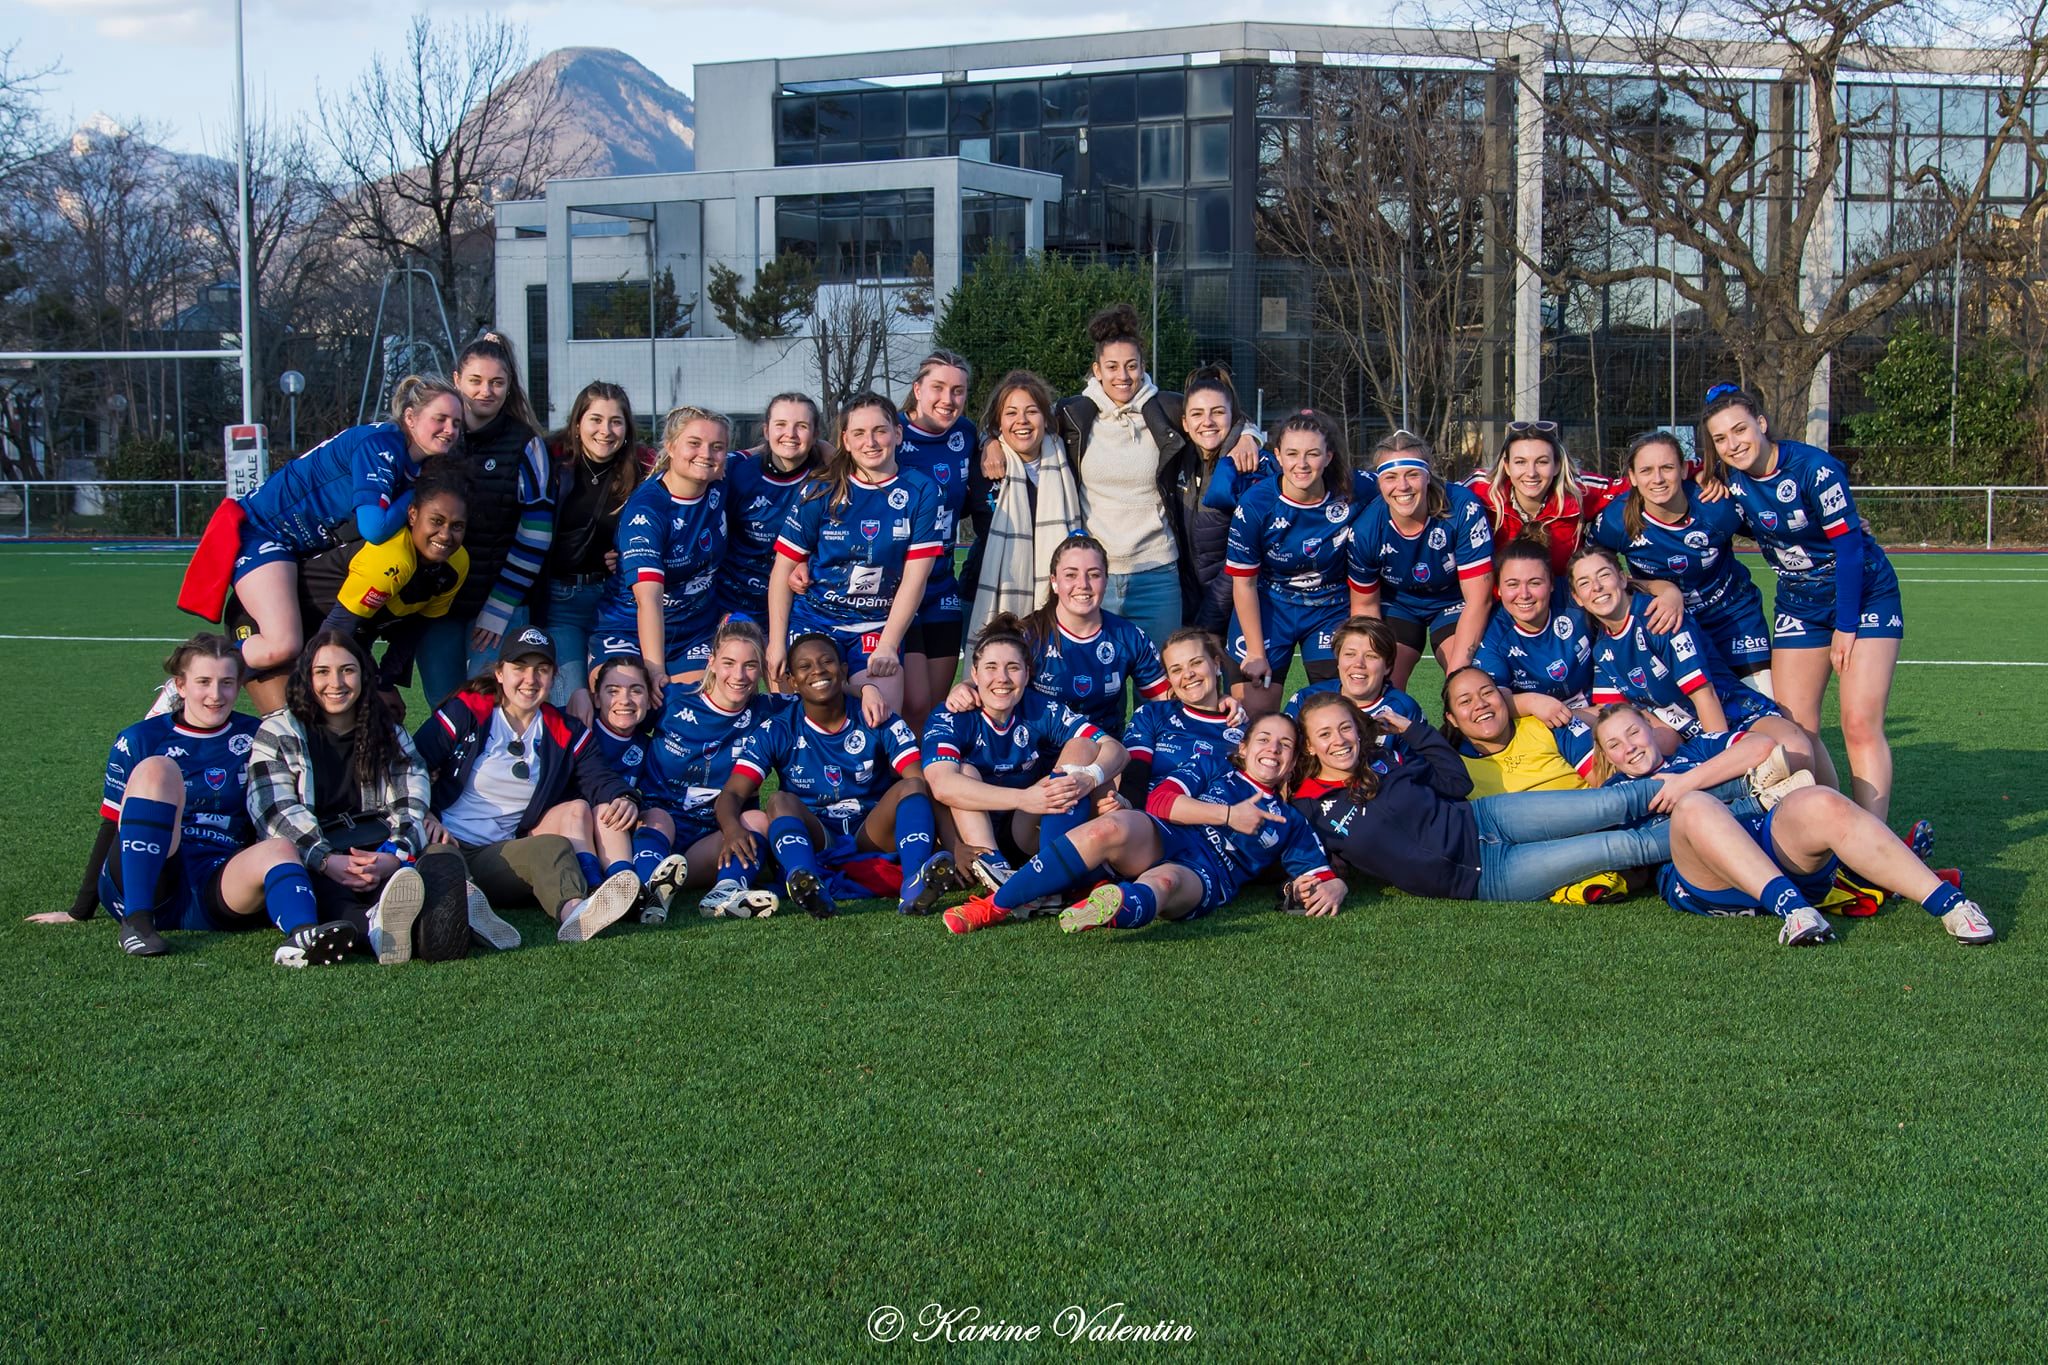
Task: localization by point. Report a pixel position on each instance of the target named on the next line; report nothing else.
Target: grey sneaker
(391, 922)
(662, 885)
(1967, 924)
(1803, 926)
(484, 924)
(601, 909)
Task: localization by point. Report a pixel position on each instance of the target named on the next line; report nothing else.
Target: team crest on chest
(898, 499)
(216, 778)
(956, 443)
(1105, 652)
(856, 742)
(1562, 628)
(1787, 490)
(1437, 538)
(240, 745)
(871, 528)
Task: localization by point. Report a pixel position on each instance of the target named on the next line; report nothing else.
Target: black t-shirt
(335, 795)
(586, 519)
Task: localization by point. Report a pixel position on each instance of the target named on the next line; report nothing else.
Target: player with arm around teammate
(846, 788)
(1017, 766)
(1201, 837)
(177, 849)
(1422, 558)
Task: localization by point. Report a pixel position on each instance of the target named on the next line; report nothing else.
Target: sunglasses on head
(1532, 428)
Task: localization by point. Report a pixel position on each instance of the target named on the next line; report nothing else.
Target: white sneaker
(485, 926)
(601, 909)
(391, 922)
(1769, 797)
(1967, 923)
(1803, 926)
(166, 698)
(662, 885)
(730, 900)
(1775, 768)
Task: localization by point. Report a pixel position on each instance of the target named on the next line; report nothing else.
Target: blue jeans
(1531, 843)
(569, 613)
(445, 660)
(1149, 598)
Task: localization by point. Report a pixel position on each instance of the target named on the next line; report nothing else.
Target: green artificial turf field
(1420, 1129)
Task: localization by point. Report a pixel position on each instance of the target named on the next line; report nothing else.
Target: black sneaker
(442, 929)
(321, 945)
(139, 937)
(806, 890)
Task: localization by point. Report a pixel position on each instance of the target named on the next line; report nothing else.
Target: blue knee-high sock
(593, 870)
(1943, 899)
(736, 869)
(792, 845)
(146, 828)
(1781, 898)
(1058, 866)
(288, 896)
(650, 846)
(1059, 826)
(913, 831)
(1141, 906)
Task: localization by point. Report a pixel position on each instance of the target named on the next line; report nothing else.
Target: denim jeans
(1149, 598)
(570, 615)
(445, 660)
(1531, 843)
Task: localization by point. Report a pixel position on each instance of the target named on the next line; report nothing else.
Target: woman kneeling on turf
(176, 802)
(1200, 838)
(847, 788)
(1395, 810)
(515, 781)
(1782, 862)
(334, 774)
(1018, 753)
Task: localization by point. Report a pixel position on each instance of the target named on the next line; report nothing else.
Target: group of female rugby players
(625, 645)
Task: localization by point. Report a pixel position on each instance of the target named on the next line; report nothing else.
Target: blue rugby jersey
(676, 542)
(1298, 552)
(947, 458)
(1427, 568)
(758, 501)
(1696, 555)
(625, 755)
(1293, 844)
(1655, 669)
(1556, 661)
(1172, 736)
(1087, 673)
(1801, 517)
(690, 755)
(857, 554)
(1015, 754)
(310, 503)
(841, 773)
(1391, 700)
(215, 766)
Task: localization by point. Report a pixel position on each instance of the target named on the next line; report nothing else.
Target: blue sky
(170, 63)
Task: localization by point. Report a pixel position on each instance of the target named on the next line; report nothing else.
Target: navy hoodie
(1417, 835)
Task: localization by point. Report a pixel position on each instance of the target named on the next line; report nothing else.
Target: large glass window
(1212, 91)
(1208, 153)
(1162, 94)
(1017, 106)
(855, 236)
(1113, 99)
(838, 117)
(881, 115)
(798, 119)
(1064, 101)
(1112, 157)
(974, 109)
(925, 112)
(1159, 156)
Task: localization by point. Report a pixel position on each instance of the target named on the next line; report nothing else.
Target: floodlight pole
(242, 227)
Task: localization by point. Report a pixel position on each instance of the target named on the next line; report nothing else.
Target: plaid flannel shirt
(281, 791)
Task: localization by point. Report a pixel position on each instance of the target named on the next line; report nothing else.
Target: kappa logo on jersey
(761, 500)
(240, 745)
(1279, 524)
(1787, 491)
(641, 519)
(855, 743)
(121, 745)
(177, 751)
(899, 499)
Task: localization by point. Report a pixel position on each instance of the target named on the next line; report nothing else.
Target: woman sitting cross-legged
(514, 784)
(333, 773)
(1201, 837)
(847, 789)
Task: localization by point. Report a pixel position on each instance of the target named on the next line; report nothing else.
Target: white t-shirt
(495, 799)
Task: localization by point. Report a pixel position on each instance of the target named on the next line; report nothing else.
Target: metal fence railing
(107, 509)
(1934, 515)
